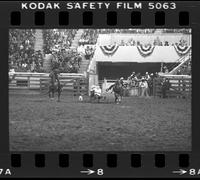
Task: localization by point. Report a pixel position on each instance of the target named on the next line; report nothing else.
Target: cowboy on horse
(118, 89)
(118, 82)
(54, 77)
(54, 85)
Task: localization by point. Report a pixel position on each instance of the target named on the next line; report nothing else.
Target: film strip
(126, 76)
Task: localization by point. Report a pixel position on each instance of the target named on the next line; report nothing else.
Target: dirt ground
(137, 124)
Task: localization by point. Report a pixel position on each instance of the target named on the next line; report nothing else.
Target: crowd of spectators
(143, 85)
(182, 42)
(67, 61)
(37, 63)
(21, 50)
(184, 31)
(143, 31)
(86, 51)
(89, 52)
(156, 42)
(56, 39)
(140, 84)
(57, 42)
(89, 36)
(138, 31)
(185, 69)
(22, 56)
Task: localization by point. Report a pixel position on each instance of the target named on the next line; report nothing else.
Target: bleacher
(23, 56)
(57, 39)
(21, 49)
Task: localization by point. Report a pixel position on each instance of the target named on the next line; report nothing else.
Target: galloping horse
(54, 86)
(118, 91)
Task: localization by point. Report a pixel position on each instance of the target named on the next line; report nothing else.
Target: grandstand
(27, 46)
(101, 53)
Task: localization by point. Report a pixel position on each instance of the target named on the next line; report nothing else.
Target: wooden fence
(75, 86)
(73, 83)
(180, 87)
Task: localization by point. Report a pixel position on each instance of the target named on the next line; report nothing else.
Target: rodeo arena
(100, 89)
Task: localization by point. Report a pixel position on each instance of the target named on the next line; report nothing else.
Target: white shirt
(96, 89)
(144, 84)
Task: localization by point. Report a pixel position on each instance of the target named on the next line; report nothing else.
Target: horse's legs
(59, 95)
(49, 91)
(52, 93)
(92, 96)
(120, 99)
(116, 98)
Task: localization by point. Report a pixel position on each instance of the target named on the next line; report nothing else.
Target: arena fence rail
(74, 83)
(180, 87)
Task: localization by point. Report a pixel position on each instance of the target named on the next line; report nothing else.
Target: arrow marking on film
(89, 171)
(180, 172)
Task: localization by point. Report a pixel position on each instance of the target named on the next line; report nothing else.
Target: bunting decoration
(145, 50)
(109, 50)
(182, 49)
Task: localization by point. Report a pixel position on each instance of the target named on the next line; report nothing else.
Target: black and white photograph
(100, 89)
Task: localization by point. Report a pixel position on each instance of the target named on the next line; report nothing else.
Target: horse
(54, 86)
(57, 87)
(118, 90)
